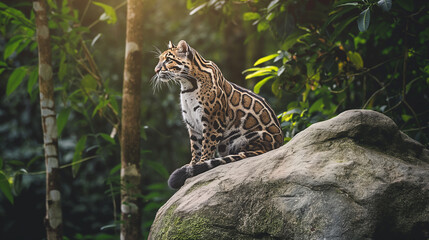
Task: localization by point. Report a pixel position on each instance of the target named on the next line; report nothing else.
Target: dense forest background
(311, 59)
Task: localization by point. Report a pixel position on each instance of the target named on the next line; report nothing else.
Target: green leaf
(293, 111)
(197, 9)
(5, 187)
(406, 117)
(252, 69)
(17, 181)
(65, 8)
(52, 4)
(363, 20)
(249, 16)
(287, 116)
(107, 138)
(348, 4)
(386, 5)
(15, 79)
(272, 5)
(270, 16)
(310, 69)
(62, 119)
(306, 92)
(33, 160)
(258, 86)
(115, 169)
(62, 70)
(408, 86)
(109, 14)
(338, 3)
(89, 83)
(262, 26)
(341, 27)
(190, 4)
(275, 88)
(317, 106)
(114, 104)
(80, 146)
(99, 106)
(265, 59)
(293, 38)
(34, 76)
(159, 168)
(23, 45)
(19, 16)
(336, 14)
(356, 59)
(263, 72)
(11, 46)
(16, 163)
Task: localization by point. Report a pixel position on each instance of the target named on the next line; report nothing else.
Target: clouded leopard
(220, 116)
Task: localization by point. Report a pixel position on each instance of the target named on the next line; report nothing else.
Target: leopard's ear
(184, 47)
(170, 45)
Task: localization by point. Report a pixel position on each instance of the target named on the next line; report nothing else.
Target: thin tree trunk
(235, 59)
(130, 130)
(53, 218)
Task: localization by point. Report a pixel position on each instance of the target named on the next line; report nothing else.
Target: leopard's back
(252, 124)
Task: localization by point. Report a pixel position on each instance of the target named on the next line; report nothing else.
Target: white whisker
(168, 78)
(156, 52)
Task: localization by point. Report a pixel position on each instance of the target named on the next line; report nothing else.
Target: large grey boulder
(355, 176)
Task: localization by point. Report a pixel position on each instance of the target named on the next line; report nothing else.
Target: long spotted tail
(179, 176)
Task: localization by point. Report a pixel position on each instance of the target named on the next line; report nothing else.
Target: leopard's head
(175, 63)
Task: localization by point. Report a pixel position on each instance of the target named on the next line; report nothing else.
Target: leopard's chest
(192, 111)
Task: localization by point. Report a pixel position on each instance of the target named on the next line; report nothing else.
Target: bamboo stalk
(53, 218)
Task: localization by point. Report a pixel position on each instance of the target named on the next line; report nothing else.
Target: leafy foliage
(5, 187)
(332, 67)
(109, 14)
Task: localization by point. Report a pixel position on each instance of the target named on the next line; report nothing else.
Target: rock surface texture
(355, 176)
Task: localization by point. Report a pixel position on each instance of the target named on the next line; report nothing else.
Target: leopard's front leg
(212, 134)
(196, 145)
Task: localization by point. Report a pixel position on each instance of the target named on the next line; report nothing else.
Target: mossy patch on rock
(179, 227)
